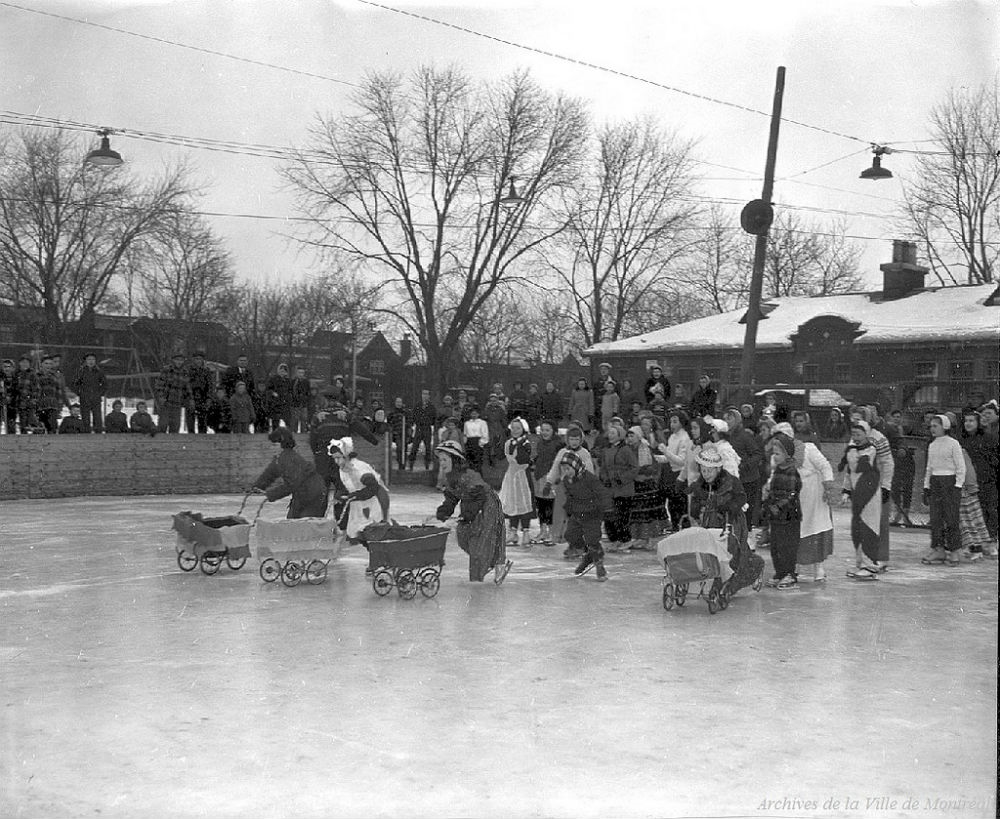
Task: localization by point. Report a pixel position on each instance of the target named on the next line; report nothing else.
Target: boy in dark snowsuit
(587, 501)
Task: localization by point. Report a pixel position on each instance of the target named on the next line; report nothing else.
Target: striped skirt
(971, 522)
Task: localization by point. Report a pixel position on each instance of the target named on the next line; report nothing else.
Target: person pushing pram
(718, 500)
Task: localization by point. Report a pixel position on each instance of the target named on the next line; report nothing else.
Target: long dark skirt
(483, 539)
(644, 517)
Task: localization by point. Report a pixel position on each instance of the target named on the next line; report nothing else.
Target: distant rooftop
(964, 313)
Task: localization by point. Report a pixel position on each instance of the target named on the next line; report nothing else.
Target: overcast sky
(867, 70)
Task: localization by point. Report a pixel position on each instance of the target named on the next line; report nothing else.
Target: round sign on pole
(756, 217)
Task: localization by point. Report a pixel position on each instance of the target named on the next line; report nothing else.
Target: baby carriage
(206, 542)
(407, 557)
(296, 549)
(696, 555)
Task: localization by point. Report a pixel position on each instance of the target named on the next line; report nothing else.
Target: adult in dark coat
(240, 371)
(116, 421)
(279, 398)
(553, 406)
(424, 418)
(26, 394)
(704, 398)
(90, 385)
(202, 383)
(301, 399)
(656, 376)
(173, 393)
(8, 402)
(290, 474)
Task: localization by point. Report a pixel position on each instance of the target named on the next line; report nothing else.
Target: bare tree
(65, 227)
(183, 270)
(953, 202)
(808, 259)
(718, 272)
(411, 184)
(629, 224)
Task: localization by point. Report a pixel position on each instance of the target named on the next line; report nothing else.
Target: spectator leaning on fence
(141, 421)
(116, 421)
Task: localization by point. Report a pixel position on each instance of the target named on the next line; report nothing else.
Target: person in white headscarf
(366, 497)
(720, 437)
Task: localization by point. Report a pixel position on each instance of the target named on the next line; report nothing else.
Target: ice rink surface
(133, 689)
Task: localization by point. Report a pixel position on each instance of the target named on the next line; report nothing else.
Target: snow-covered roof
(931, 315)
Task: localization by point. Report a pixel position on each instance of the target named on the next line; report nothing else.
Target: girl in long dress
(516, 495)
(366, 497)
(816, 538)
(480, 518)
(862, 490)
(644, 517)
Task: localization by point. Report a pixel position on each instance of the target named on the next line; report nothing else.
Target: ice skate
(500, 572)
(602, 573)
(934, 557)
(585, 565)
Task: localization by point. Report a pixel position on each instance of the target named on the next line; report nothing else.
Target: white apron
(516, 497)
(361, 512)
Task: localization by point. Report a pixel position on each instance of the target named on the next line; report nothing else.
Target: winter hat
(709, 456)
(952, 418)
(521, 421)
(283, 436)
(786, 442)
(345, 446)
(785, 429)
(574, 462)
(451, 449)
(637, 432)
(866, 427)
(574, 430)
(945, 421)
(719, 426)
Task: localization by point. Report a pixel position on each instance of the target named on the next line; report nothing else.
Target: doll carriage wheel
(187, 561)
(316, 572)
(235, 563)
(382, 582)
(406, 584)
(429, 581)
(270, 570)
(714, 603)
(759, 582)
(681, 593)
(291, 573)
(211, 562)
(668, 596)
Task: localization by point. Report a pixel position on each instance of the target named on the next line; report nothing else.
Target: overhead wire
(165, 41)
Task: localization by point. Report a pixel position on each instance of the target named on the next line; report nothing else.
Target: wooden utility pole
(760, 251)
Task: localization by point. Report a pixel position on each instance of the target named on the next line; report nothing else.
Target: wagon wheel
(316, 572)
(430, 582)
(270, 569)
(210, 562)
(382, 582)
(235, 563)
(668, 596)
(187, 561)
(291, 573)
(681, 594)
(406, 584)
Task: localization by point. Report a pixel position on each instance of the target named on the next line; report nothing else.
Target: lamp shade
(876, 171)
(513, 197)
(104, 156)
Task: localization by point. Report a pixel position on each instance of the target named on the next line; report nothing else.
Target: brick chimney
(405, 348)
(902, 275)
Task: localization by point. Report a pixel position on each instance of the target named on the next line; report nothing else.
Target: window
(734, 375)
(991, 371)
(376, 366)
(685, 375)
(925, 370)
(958, 394)
(810, 373)
(842, 373)
(927, 395)
(961, 370)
